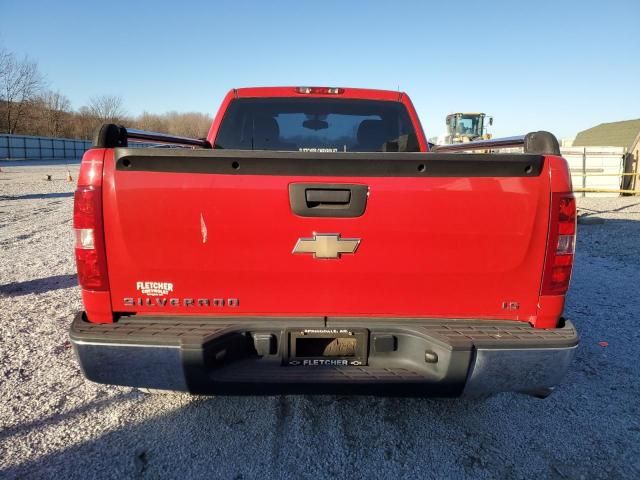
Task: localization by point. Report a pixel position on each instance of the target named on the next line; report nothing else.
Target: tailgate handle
(328, 199)
(316, 196)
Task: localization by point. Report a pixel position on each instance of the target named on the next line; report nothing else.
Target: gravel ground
(53, 423)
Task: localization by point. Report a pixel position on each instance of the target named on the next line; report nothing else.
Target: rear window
(316, 125)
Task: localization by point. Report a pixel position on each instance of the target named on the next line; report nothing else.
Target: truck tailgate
(213, 233)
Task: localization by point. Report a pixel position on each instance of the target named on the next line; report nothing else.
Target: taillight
(89, 241)
(320, 90)
(560, 250)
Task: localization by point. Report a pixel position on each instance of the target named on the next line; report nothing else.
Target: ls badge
(326, 245)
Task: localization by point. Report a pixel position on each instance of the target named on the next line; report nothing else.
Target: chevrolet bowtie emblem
(326, 245)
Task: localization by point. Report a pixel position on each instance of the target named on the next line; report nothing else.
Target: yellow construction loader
(466, 127)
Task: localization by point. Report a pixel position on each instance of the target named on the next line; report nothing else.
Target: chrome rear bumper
(249, 356)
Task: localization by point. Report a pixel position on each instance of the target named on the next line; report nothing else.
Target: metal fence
(596, 171)
(25, 147)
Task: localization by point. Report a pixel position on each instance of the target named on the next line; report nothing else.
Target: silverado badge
(326, 245)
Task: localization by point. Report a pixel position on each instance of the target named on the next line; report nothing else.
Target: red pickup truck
(313, 243)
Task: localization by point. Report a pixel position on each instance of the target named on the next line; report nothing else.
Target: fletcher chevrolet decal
(154, 289)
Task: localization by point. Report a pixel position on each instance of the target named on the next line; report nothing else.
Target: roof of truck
(346, 92)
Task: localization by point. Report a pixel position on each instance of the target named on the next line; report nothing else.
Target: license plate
(327, 347)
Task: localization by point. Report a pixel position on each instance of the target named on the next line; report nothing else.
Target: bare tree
(55, 112)
(26, 109)
(107, 108)
(20, 84)
(190, 124)
(152, 122)
(84, 123)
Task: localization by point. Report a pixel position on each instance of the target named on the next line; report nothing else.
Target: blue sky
(562, 66)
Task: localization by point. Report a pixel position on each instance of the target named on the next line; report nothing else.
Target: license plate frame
(294, 357)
